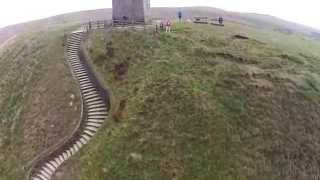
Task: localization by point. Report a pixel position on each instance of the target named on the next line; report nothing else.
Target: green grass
(200, 104)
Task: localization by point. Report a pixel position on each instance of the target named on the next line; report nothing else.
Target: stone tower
(131, 11)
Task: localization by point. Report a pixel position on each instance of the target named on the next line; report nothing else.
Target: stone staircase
(95, 108)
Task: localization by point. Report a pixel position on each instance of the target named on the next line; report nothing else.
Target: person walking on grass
(168, 26)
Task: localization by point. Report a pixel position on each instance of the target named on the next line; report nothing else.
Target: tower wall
(131, 10)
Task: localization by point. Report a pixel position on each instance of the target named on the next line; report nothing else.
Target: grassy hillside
(201, 103)
(39, 101)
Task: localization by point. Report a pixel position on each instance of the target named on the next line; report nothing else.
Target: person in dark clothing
(90, 25)
(180, 15)
(220, 20)
(161, 25)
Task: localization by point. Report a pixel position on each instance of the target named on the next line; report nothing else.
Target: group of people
(166, 25)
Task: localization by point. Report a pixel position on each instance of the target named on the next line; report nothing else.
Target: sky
(301, 11)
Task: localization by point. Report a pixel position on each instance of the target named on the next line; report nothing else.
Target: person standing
(161, 25)
(168, 26)
(221, 20)
(180, 15)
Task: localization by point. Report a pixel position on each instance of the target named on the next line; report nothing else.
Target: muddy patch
(48, 116)
(238, 36)
(121, 70)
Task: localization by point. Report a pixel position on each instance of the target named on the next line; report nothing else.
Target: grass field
(200, 103)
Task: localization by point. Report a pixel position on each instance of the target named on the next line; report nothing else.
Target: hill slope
(204, 102)
(38, 99)
(201, 103)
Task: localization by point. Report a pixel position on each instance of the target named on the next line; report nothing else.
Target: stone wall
(131, 10)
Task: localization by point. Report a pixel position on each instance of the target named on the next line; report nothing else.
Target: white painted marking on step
(93, 99)
(72, 63)
(65, 156)
(69, 152)
(75, 49)
(89, 90)
(48, 170)
(57, 160)
(89, 133)
(96, 120)
(84, 83)
(83, 141)
(74, 53)
(97, 125)
(90, 93)
(61, 158)
(74, 60)
(92, 129)
(77, 66)
(86, 87)
(83, 77)
(73, 43)
(75, 147)
(97, 109)
(90, 96)
(97, 105)
(55, 164)
(45, 174)
(51, 167)
(73, 57)
(79, 144)
(87, 138)
(43, 177)
(75, 38)
(81, 72)
(97, 113)
(73, 46)
(84, 80)
(98, 117)
(72, 151)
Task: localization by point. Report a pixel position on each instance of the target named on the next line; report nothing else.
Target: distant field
(257, 20)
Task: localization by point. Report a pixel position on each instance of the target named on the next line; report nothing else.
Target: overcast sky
(302, 11)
